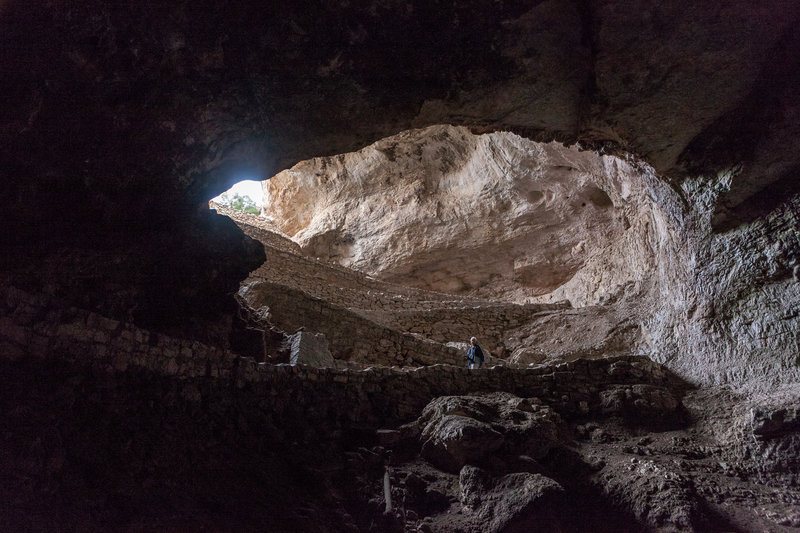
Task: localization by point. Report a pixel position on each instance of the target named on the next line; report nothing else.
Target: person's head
(473, 341)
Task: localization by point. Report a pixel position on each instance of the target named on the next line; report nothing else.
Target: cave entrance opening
(446, 234)
(245, 196)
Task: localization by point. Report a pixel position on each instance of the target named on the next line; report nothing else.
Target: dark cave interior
(135, 388)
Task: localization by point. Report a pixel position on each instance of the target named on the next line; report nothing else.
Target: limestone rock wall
(656, 277)
(730, 300)
(125, 120)
(494, 215)
(121, 118)
(351, 336)
(716, 306)
(288, 281)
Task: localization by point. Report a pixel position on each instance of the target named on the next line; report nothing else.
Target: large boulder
(453, 441)
(518, 501)
(458, 430)
(310, 349)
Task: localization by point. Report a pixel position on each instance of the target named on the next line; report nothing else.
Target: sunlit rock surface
(504, 218)
(442, 209)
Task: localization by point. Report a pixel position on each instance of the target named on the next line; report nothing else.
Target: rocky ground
(112, 427)
(502, 463)
(682, 459)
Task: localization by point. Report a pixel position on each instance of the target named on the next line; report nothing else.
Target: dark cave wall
(120, 119)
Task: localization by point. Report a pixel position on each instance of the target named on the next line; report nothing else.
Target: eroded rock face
(445, 210)
(497, 216)
(120, 119)
(123, 120)
(455, 431)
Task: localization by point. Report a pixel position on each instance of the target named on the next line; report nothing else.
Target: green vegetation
(239, 203)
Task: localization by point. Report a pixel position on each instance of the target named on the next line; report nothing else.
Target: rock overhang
(224, 97)
(118, 113)
(442, 209)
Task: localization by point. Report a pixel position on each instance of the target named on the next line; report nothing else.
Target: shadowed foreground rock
(644, 361)
(461, 430)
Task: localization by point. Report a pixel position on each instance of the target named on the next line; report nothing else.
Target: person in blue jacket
(474, 354)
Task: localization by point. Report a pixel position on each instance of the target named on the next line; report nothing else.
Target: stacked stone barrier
(429, 315)
(30, 327)
(39, 326)
(350, 336)
(258, 227)
(446, 324)
(286, 265)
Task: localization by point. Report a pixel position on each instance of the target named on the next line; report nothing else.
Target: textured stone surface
(441, 209)
(455, 431)
(510, 499)
(122, 121)
(232, 414)
(30, 330)
(645, 267)
(127, 405)
(310, 349)
(394, 324)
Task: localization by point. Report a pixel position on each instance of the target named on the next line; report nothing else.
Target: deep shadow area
(131, 387)
(776, 194)
(89, 451)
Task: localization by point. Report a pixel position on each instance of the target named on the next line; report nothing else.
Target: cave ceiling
(121, 119)
(646, 358)
(124, 98)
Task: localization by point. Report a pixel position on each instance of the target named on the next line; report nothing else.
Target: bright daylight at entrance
(244, 196)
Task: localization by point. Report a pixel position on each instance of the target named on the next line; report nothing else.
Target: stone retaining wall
(434, 316)
(453, 324)
(351, 336)
(344, 287)
(30, 327)
(38, 326)
(382, 395)
(286, 265)
(258, 228)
